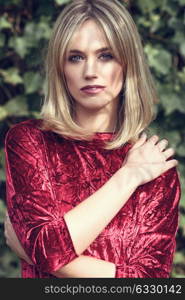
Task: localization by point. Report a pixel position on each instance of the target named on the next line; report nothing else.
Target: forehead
(88, 36)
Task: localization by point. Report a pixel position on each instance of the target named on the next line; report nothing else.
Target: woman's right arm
(144, 162)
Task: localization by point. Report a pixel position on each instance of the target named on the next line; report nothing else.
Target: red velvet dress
(48, 175)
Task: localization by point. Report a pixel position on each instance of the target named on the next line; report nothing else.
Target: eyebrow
(97, 51)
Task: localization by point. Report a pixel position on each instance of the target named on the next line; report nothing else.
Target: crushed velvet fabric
(47, 175)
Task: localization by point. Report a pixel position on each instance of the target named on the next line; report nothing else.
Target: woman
(88, 193)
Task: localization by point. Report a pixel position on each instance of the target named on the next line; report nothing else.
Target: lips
(92, 87)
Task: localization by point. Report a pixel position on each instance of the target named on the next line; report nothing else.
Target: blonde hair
(135, 111)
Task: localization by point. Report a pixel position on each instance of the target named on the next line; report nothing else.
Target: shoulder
(173, 185)
(165, 182)
(23, 130)
(164, 192)
(166, 188)
(169, 178)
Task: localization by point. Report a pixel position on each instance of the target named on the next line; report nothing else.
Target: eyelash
(107, 56)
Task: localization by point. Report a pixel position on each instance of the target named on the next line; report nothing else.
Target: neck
(97, 120)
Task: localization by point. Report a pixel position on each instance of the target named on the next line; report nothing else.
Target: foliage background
(25, 27)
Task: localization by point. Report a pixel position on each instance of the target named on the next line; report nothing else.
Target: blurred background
(25, 27)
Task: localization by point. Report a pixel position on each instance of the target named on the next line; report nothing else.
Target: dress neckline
(104, 132)
(102, 136)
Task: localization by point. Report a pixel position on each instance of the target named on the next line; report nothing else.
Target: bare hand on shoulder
(148, 159)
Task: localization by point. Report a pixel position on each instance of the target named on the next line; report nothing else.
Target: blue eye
(106, 56)
(75, 58)
(103, 56)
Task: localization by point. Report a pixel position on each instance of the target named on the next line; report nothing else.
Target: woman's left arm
(150, 252)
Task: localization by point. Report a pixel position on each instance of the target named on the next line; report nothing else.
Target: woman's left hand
(12, 240)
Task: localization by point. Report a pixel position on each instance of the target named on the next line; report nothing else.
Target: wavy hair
(136, 103)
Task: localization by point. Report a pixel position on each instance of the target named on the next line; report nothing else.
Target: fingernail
(143, 135)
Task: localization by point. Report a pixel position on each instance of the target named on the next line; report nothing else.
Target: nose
(90, 69)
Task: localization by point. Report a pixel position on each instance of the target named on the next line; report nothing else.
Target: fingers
(154, 139)
(168, 153)
(162, 144)
(170, 164)
(140, 141)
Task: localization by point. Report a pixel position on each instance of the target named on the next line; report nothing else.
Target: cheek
(116, 77)
(70, 75)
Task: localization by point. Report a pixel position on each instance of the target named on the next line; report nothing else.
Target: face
(94, 77)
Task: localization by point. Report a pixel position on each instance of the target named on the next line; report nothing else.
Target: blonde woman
(88, 193)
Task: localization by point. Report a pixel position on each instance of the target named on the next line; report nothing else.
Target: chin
(95, 107)
(94, 104)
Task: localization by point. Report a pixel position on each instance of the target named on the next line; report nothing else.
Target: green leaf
(182, 173)
(171, 97)
(3, 113)
(179, 257)
(2, 175)
(17, 106)
(32, 82)
(176, 24)
(169, 7)
(181, 76)
(182, 181)
(159, 59)
(172, 102)
(182, 201)
(181, 150)
(182, 2)
(144, 22)
(37, 31)
(182, 222)
(19, 44)
(173, 137)
(2, 39)
(33, 33)
(11, 75)
(4, 23)
(182, 48)
(176, 275)
(60, 2)
(178, 37)
(35, 114)
(2, 211)
(2, 157)
(10, 2)
(148, 6)
(155, 22)
(43, 28)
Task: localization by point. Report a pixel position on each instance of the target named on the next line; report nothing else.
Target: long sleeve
(149, 251)
(31, 200)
